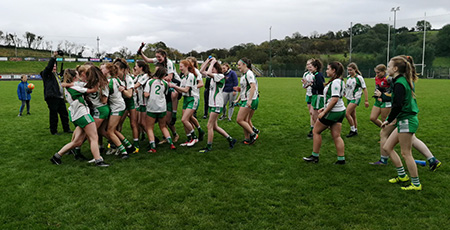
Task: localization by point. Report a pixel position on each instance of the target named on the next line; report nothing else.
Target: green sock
(415, 181)
(229, 138)
(193, 134)
(200, 130)
(174, 114)
(77, 150)
(122, 149)
(152, 145)
(401, 172)
(136, 143)
(169, 140)
(341, 158)
(209, 146)
(126, 143)
(311, 128)
(384, 159)
(315, 154)
(431, 160)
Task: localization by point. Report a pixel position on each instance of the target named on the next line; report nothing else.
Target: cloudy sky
(202, 24)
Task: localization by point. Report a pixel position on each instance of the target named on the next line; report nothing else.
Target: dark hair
(160, 72)
(69, 74)
(218, 67)
(338, 71)
(247, 62)
(121, 63)
(144, 66)
(317, 64)
(164, 54)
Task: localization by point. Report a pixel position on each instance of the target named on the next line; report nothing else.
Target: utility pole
(270, 51)
(98, 47)
(423, 49)
(389, 40)
(351, 37)
(394, 9)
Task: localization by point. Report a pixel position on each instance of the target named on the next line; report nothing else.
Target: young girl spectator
(331, 115)
(355, 86)
(229, 92)
(23, 92)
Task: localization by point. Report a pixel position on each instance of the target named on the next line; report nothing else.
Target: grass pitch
(264, 186)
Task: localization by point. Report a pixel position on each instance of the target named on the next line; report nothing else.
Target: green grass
(441, 62)
(264, 186)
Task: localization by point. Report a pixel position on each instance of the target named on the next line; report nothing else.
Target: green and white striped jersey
(215, 90)
(189, 81)
(335, 89)
(75, 97)
(354, 87)
(115, 99)
(246, 80)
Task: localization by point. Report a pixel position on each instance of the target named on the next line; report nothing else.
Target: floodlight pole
(389, 40)
(270, 51)
(423, 49)
(98, 47)
(351, 38)
(394, 9)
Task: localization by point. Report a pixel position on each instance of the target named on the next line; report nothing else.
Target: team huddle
(101, 98)
(395, 104)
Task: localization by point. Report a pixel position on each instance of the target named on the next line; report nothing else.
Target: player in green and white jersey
(79, 114)
(331, 115)
(142, 74)
(196, 92)
(161, 58)
(156, 90)
(117, 106)
(188, 83)
(354, 88)
(249, 100)
(404, 111)
(307, 81)
(215, 101)
(130, 110)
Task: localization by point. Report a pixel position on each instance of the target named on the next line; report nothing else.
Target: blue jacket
(23, 92)
(231, 81)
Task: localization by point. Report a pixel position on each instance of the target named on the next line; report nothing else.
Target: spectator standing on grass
(354, 89)
(229, 92)
(23, 92)
(53, 94)
(331, 115)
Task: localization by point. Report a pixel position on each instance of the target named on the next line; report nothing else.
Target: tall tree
(420, 25)
(30, 38)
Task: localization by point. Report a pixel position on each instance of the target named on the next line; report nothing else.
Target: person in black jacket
(53, 94)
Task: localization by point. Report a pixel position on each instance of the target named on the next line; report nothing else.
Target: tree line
(369, 46)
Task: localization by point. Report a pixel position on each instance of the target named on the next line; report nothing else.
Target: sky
(201, 25)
